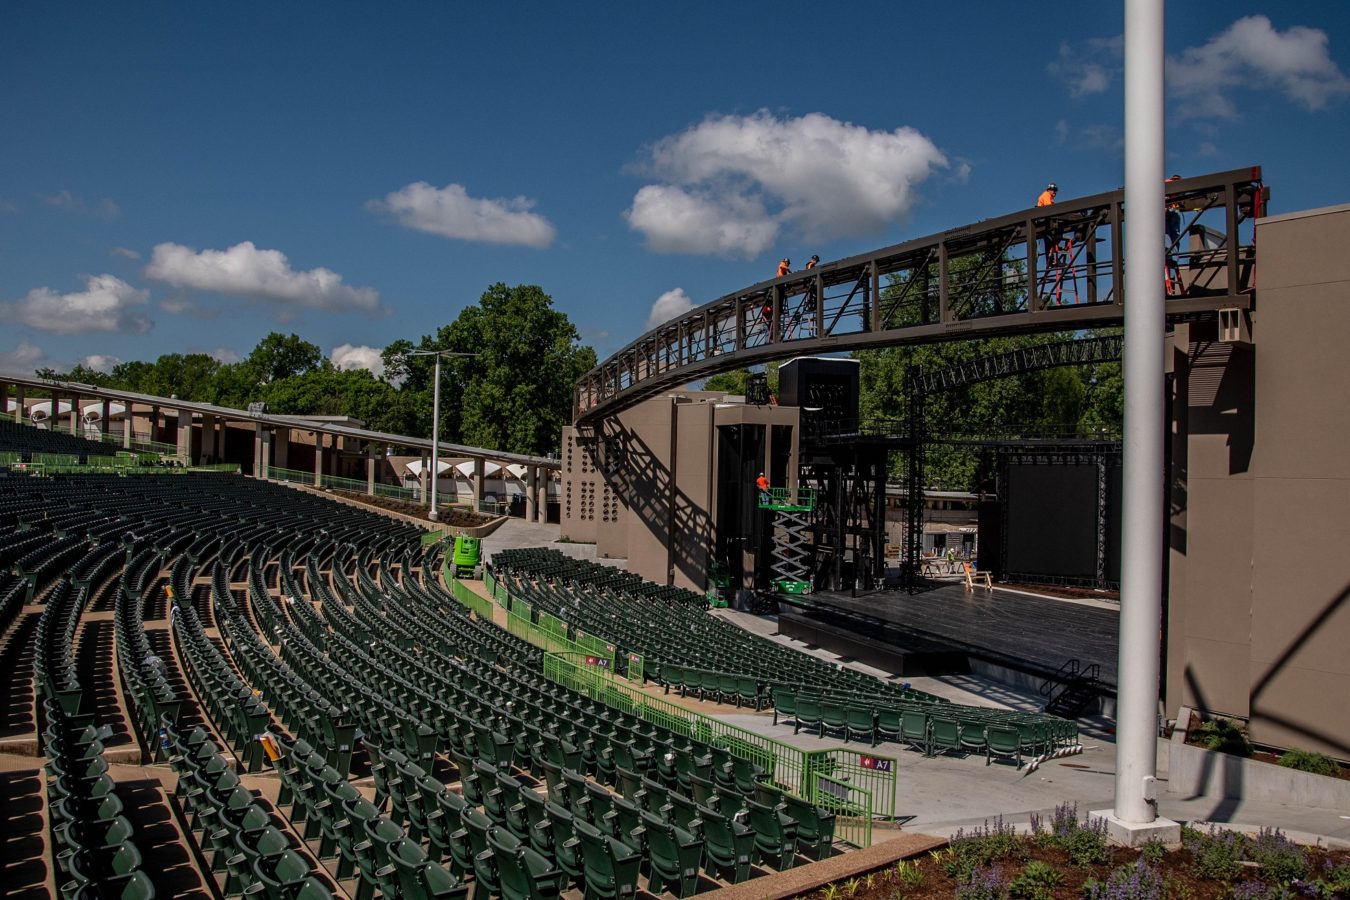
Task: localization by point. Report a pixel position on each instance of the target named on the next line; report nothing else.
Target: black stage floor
(1026, 633)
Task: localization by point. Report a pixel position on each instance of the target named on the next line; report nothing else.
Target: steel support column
(1145, 323)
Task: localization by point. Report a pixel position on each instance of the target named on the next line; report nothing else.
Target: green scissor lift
(791, 565)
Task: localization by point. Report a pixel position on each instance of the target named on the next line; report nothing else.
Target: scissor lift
(791, 566)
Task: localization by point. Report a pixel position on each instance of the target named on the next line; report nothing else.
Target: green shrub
(1281, 860)
(1307, 761)
(1037, 882)
(1153, 851)
(1223, 735)
(1135, 881)
(1218, 855)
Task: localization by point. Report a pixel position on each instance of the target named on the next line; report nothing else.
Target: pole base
(434, 516)
(1134, 834)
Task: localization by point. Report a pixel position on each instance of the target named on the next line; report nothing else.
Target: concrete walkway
(517, 533)
(939, 795)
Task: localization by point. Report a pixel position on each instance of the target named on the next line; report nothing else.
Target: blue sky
(187, 177)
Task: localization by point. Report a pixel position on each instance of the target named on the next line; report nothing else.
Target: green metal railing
(461, 592)
(851, 804)
(557, 635)
(338, 483)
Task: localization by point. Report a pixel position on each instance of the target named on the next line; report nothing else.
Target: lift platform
(791, 565)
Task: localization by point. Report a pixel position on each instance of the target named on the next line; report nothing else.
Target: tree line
(513, 394)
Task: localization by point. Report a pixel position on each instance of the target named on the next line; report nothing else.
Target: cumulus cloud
(450, 212)
(106, 304)
(223, 355)
(732, 184)
(22, 359)
(99, 362)
(1253, 53)
(349, 356)
(668, 306)
(266, 275)
(1089, 67)
(103, 209)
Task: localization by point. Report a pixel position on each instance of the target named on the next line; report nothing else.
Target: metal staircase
(791, 563)
(1073, 689)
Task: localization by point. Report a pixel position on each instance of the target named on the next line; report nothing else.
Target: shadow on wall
(648, 489)
(1314, 730)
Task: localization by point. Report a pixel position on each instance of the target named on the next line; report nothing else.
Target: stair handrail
(1061, 676)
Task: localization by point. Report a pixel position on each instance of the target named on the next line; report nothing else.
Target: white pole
(1143, 477)
(435, 437)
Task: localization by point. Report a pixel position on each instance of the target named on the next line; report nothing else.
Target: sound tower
(827, 389)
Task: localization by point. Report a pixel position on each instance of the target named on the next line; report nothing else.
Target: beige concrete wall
(647, 490)
(1300, 651)
(1259, 622)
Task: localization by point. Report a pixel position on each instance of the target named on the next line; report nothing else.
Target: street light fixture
(432, 513)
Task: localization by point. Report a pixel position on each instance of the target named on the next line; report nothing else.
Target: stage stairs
(1073, 689)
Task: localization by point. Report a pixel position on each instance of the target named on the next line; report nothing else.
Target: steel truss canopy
(1052, 268)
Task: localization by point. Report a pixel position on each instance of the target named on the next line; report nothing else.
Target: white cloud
(125, 252)
(64, 199)
(676, 220)
(668, 306)
(450, 212)
(1251, 53)
(105, 304)
(349, 356)
(23, 359)
(223, 355)
(99, 362)
(1089, 67)
(731, 184)
(245, 271)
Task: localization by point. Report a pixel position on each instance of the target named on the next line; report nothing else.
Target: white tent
(39, 413)
(414, 467)
(490, 469)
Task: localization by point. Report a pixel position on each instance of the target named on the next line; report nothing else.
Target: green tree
(279, 356)
(515, 393)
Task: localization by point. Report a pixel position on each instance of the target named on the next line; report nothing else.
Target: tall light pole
(432, 513)
(1134, 817)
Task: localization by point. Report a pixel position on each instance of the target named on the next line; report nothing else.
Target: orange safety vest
(783, 269)
(1045, 199)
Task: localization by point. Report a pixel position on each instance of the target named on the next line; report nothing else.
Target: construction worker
(1047, 198)
(763, 484)
(1173, 220)
(784, 266)
(812, 262)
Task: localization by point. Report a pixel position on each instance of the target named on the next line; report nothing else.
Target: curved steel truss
(1075, 352)
(1054, 268)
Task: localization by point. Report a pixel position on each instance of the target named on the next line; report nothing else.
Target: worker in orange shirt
(1047, 198)
(812, 262)
(784, 266)
(763, 484)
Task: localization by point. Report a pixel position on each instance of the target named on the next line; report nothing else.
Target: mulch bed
(1178, 869)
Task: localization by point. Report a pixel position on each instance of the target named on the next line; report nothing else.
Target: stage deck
(999, 626)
